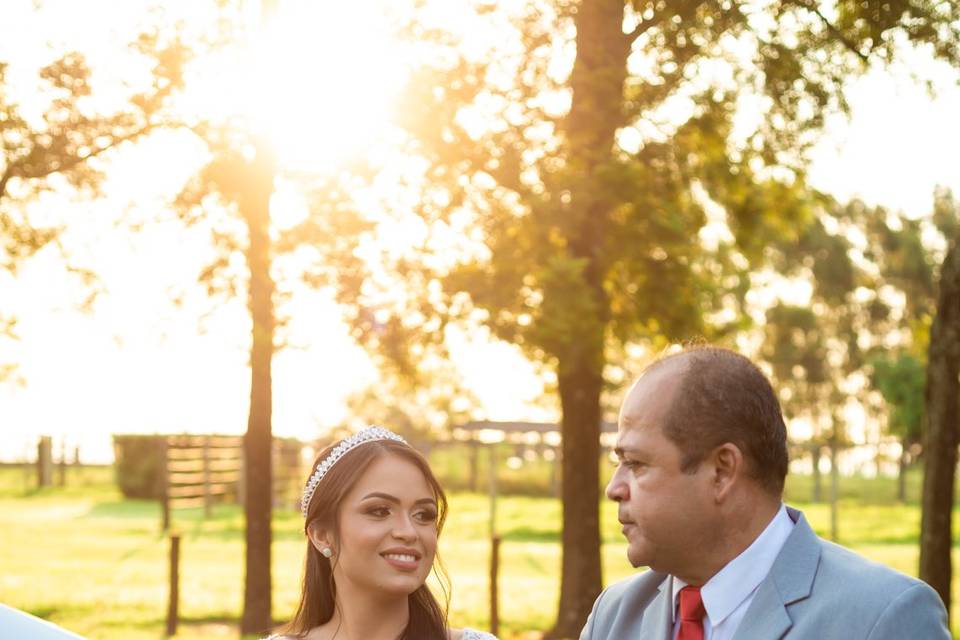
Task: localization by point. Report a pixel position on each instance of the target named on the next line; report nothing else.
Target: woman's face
(388, 530)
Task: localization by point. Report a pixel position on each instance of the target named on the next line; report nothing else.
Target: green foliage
(72, 135)
(895, 245)
(854, 317)
(796, 348)
(945, 212)
(581, 240)
(139, 465)
(814, 348)
(905, 263)
(902, 379)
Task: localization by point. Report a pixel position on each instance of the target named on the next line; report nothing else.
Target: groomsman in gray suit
(702, 452)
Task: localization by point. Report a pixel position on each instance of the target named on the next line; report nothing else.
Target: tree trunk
(254, 206)
(941, 435)
(902, 475)
(580, 582)
(589, 129)
(834, 490)
(817, 478)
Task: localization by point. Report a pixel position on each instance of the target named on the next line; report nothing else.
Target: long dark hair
(428, 619)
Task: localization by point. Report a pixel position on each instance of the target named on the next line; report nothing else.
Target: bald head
(709, 396)
(656, 388)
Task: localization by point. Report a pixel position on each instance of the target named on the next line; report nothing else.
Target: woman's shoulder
(470, 634)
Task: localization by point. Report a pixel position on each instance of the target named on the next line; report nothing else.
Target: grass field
(85, 558)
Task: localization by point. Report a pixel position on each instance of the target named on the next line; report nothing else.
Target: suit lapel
(790, 580)
(657, 621)
(767, 616)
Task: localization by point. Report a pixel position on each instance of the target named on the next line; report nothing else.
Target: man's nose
(617, 489)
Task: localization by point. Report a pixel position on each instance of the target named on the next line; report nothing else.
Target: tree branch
(644, 26)
(78, 159)
(4, 180)
(846, 42)
(685, 12)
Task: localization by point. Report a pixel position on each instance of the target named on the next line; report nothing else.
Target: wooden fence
(203, 470)
(199, 471)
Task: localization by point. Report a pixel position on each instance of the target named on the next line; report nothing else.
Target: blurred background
(234, 231)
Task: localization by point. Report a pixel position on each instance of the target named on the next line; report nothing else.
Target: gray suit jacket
(815, 589)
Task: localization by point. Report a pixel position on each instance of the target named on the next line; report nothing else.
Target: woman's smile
(402, 559)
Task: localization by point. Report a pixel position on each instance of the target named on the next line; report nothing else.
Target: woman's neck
(361, 617)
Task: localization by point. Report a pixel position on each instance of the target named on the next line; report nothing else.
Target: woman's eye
(379, 512)
(426, 516)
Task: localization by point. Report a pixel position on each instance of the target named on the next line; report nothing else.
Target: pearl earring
(327, 552)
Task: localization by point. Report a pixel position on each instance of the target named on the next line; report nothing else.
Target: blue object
(20, 625)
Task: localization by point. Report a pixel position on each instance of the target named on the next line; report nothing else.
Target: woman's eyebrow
(394, 499)
(382, 496)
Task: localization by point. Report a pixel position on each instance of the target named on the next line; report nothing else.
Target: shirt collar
(733, 584)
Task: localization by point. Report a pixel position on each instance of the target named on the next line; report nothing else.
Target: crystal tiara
(346, 445)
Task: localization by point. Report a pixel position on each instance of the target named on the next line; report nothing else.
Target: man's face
(667, 514)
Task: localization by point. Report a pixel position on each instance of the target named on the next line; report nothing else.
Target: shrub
(139, 462)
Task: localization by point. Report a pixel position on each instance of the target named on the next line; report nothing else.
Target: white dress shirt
(727, 595)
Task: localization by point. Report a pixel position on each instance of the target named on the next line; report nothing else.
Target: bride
(373, 511)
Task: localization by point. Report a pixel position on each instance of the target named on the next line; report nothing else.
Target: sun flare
(323, 80)
(318, 79)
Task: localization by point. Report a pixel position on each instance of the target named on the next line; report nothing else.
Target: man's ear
(319, 536)
(728, 466)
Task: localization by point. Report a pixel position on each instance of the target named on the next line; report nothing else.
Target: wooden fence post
(242, 484)
(45, 462)
(207, 498)
(492, 487)
(494, 584)
(62, 468)
(494, 544)
(165, 483)
(174, 592)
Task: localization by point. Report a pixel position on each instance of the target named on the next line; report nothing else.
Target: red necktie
(691, 614)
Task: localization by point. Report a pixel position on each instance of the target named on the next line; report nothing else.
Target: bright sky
(140, 363)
